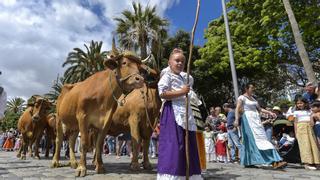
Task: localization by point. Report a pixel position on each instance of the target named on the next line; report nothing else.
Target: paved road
(12, 168)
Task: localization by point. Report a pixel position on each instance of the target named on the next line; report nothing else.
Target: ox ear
(111, 63)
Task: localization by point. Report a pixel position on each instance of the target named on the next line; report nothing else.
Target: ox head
(39, 107)
(126, 67)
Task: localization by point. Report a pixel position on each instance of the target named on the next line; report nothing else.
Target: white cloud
(36, 37)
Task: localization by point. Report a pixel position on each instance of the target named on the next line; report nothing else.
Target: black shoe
(251, 166)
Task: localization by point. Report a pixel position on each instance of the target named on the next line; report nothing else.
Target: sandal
(310, 167)
(279, 165)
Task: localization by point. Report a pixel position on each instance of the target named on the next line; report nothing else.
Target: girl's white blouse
(173, 82)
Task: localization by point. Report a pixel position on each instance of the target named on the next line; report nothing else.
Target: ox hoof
(147, 166)
(55, 164)
(81, 172)
(36, 157)
(100, 170)
(23, 157)
(135, 166)
(18, 155)
(73, 164)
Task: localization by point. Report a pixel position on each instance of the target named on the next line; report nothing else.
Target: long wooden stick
(187, 97)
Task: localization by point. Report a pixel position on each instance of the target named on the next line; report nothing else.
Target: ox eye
(124, 63)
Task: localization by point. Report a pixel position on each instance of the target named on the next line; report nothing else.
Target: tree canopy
(264, 48)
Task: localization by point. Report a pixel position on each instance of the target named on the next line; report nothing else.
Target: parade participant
(221, 149)
(172, 90)
(9, 144)
(256, 147)
(316, 120)
(309, 151)
(209, 144)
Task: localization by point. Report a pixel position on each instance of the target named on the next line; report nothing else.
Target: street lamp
(233, 69)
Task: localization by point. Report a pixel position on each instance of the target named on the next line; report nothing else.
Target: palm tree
(84, 64)
(298, 39)
(16, 105)
(141, 28)
(56, 89)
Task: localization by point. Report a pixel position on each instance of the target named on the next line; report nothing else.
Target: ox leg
(30, 143)
(24, 148)
(72, 141)
(36, 150)
(50, 136)
(98, 157)
(59, 137)
(135, 140)
(82, 167)
(146, 162)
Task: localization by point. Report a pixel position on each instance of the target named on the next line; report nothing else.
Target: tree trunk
(299, 42)
(143, 47)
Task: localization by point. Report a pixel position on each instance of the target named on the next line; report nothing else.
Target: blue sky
(182, 16)
(38, 35)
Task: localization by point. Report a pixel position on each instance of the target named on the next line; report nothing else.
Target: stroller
(291, 153)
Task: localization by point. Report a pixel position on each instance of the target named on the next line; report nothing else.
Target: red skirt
(221, 148)
(8, 145)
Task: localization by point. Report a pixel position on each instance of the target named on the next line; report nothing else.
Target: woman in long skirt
(256, 149)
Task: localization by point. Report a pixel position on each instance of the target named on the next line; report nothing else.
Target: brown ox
(91, 103)
(133, 118)
(32, 124)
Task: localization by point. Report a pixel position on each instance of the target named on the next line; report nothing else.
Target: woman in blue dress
(256, 149)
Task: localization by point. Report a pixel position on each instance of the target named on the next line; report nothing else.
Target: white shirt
(302, 115)
(173, 82)
(3, 102)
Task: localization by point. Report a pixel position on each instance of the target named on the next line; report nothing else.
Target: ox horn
(114, 50)
(146, 59)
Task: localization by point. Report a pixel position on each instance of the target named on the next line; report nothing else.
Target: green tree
(15, 108)
(141, 28)
(84, 63)
(55, 89)
(264, 48)
(16, 105)
(181, 40)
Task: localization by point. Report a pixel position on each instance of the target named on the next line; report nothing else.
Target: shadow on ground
(212, 174)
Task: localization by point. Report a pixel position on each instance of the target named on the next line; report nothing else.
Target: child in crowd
(221, 143)
(287, 140)
(315, 119)
(209, 144)
(17, 143)
(309, 151)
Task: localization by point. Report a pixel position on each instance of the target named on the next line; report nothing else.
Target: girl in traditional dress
(172, 90)
(309, 151)
(8, 144)
(221, 149)
(17, 143)
(209, 144)
(256, 147)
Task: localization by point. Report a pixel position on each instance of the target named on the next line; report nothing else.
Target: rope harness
(153, 126)
(120, 83)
